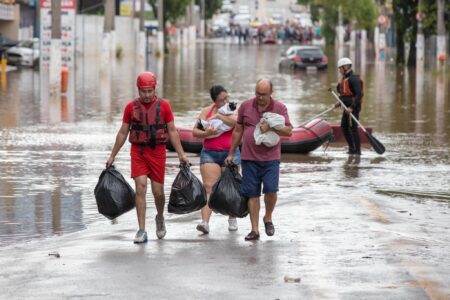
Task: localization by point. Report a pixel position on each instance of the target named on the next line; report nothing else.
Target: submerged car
(25, 53)
(303, 57)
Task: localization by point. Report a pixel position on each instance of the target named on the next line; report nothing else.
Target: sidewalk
(340, 245)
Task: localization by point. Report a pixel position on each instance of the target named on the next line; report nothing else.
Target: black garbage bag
(187, 193)
(225, 197)
(113, 194)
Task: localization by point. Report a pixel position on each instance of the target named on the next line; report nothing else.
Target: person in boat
(350, 89)
(148, 122)
(260, 163)
(216, 145)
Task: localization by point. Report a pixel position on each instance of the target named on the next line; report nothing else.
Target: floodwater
(52, 152)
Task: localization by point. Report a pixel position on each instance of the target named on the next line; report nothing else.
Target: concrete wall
(89, 34)
(10, 29)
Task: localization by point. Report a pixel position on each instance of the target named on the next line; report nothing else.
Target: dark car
(6, 43)
(304, 57)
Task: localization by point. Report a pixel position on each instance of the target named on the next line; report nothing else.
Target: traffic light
(256, 4)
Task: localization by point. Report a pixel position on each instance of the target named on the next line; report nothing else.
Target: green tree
(406, 29)
(212, 6)
(428, 9)
(361, 13)
(173, 9)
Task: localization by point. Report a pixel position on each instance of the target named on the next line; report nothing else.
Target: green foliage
(173, 9)
(361, 13)
(148, 15)
(429, 12)
(212, 6)
(406, 26)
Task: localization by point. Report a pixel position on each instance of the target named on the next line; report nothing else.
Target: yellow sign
(125, 9)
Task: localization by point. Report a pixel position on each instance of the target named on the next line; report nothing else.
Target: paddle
(376, 144)
(316, 116)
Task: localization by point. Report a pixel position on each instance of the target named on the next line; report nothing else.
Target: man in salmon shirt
(149, 123)
(260, 164)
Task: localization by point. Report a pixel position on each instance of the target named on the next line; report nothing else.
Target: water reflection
(351, 166)
(442, 127)
(52, 151)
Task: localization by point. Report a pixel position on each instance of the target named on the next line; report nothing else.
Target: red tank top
(220, 143)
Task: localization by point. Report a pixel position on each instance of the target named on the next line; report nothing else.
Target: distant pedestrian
(215, 149)
(260, 164)
(351, 92)
(149, 123)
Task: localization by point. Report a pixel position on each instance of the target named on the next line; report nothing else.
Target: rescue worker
(350, 89)
(148, 121)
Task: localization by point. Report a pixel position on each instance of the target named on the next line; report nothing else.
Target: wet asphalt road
(340, 246)
(373, 228)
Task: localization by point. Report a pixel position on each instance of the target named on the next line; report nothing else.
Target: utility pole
(141, 51)
(142, 16)
(161, 25)
(420, 42)
(192, 31)
(441, 43)
(55, 51)
(109, 26)
(202, 18)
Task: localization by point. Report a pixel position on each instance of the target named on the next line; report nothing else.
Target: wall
(10, 29)
(89, 34)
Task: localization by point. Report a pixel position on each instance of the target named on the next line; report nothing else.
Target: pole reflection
(419, 82)
(441, 124)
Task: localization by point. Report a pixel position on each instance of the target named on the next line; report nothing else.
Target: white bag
(269, 138)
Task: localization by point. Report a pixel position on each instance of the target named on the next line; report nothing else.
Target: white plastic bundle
(269, 138)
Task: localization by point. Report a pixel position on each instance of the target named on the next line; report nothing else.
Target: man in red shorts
(149, 123)
(260, 164)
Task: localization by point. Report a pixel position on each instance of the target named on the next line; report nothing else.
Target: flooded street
(51, 154)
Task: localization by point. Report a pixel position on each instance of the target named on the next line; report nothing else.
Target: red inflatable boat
(303, 140)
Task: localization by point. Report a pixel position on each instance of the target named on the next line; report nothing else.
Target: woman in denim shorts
(216, 145)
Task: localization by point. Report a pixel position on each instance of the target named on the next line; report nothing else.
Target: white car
(25, 53)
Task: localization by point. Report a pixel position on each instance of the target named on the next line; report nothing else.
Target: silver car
(25, 53)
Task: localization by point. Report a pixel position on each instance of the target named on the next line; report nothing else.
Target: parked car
(25, 53)
(6, 43)
(221, 26)
(303, 57)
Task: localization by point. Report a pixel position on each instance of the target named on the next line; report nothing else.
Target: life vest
(145, 127)
(345, 91)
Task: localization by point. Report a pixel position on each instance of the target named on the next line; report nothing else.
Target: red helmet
(146, 80)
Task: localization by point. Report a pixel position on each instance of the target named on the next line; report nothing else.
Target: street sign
(67, 32)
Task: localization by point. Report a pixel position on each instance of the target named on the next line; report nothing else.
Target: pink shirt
(220, 143)
(249, 117)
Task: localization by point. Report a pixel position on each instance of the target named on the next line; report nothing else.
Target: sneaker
(160, 227)
(232, 224)
(203, 227)
(141, 237)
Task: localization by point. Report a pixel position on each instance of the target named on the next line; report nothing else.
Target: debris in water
(291, 279)
(55, 254)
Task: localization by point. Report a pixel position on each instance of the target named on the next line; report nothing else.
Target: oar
(316, 116)
(376, 144)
